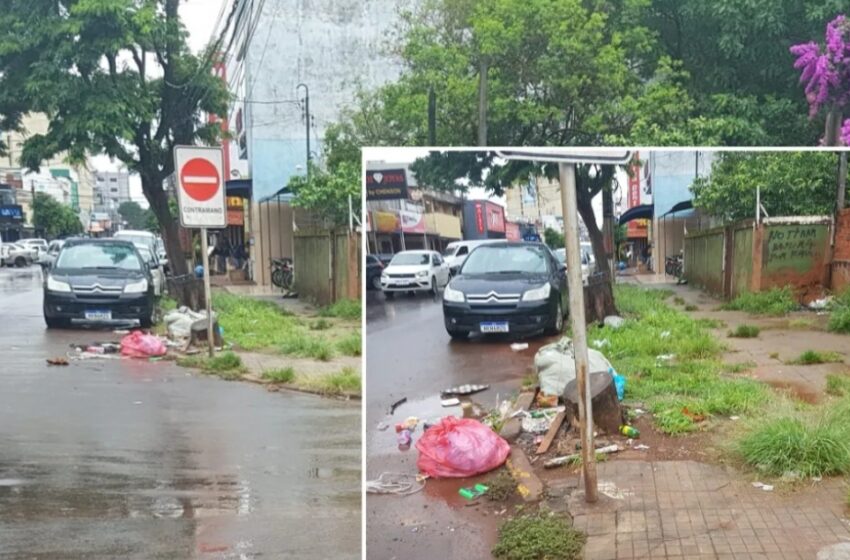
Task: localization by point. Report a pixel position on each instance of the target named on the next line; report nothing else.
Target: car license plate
(495, 327)
(98, 315)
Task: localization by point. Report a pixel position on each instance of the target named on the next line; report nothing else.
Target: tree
(553, 239)
(327, 192)
(114, 77)
(453, 170)
(54, 218)
(792, 184)
(133, 214)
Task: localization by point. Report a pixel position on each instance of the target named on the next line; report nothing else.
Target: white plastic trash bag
(555, 365)
(180, 321)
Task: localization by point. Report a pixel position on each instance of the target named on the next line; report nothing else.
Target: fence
(327, 265)
(744, 258)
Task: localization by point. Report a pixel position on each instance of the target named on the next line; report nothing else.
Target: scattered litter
(382, 426)
(757, 484)
(137, 402)
(57, 361)
(397, 404)
(665, 334)
(734, 418)
(460, 447)
(450, 402)
(791, 476)
(614, 321)
(695, 417)
(409, 424)
(817, 478)
(763, 486)
(566, 459)
(601, 343)
(639, 411)
(610, 489)
(519, 346)
(555, 365)
(629, 431)
(179, 322)
(665, 357)
(395, 483)
(140, 345)
(536, 425)
(404, 438)
(641, 447)
(464, 390)
(821, 303)
(546, 401)
(473, 493)
(121, 331)
(619, 383)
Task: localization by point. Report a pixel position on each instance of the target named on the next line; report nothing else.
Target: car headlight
(422, 273)
(537, 294)
(55, 285)
(136, 287)
(453, 295)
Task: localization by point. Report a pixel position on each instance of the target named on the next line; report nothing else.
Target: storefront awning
(283, 195)
(239, 187)
(681, 207)
(642, 212)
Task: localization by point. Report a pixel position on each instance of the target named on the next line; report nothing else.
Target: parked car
(155, 267)
(98, 280)
(507, 288)
(415, 271)
(456, 252)
(47, 258)
(374, 268)
(19, 255)
(588, 261)
(40, 245)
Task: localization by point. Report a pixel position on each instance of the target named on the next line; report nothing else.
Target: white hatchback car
(415, 271)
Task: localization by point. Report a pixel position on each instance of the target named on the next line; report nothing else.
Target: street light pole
(307, 121)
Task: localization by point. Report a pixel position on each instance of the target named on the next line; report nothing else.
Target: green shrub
(776, 302)
(538, 536)
(320, 325)
(745, 331)
(839, 320)
(351, 345)
(344, 309)
(346, 381)
(282, 375)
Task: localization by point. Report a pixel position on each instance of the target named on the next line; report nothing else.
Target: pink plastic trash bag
(140, 345)
(460, 447)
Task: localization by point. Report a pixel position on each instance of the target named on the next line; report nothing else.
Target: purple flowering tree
(825, 70)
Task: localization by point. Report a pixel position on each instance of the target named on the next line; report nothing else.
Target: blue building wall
(276, 160)
(672, 173)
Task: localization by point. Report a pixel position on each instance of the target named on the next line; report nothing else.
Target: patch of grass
(678, 300)
(345, 381)
(251, 323)
(351, 345)
(538, 536)
(812, 357)
(745, 331)
(711, 323)
(774, 355)
(838, 384)
(529, 381)
(320, 325)
(775, 302)
(344, 309)
(839, 316)
(167, 303)
(304, 345)
(691, 380)
(226, 365)
(282, 375)
(691, 307)
(813, 442)
(740, 367)
(800, 324)
(501, 487)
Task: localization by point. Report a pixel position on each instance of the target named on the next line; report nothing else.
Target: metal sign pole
(207, 295)
(569, 205)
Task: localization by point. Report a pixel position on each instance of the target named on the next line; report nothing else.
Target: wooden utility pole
(432, 117)
(569, 203)
(482, 103)
(842, 181)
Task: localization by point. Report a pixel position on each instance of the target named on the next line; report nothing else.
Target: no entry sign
(200, 187)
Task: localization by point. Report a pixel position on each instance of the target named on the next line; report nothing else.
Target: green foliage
(838, 384)
(745, 331)
(282, 375)
(839, 316)
(253, 324)
(538, 536)
(812, 357)
(792, 184)
(553, 239)
(501, 486)
(54, 218)
(226, 365)
(344, 309)
(133, 214)
(813, 442)
(298, 343)
(327, 192)
(740, 367)
(775, 302)
(351, 345)
(343, 382)
(320, 325)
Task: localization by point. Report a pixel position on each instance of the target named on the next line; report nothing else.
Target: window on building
(113, 179)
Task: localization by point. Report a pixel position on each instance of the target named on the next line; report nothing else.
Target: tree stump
(607, 414)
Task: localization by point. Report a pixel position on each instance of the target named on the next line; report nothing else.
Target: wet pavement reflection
(136, 459)
(409, 355)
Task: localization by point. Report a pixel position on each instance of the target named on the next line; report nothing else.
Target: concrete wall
(795, 254)
(272, 236)
(328, 266)
(704, 260)
(841, 254)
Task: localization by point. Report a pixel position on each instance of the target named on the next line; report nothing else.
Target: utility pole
(307, 121)
(482, 103)
(432, 117)
(567, 172)
(842, 181)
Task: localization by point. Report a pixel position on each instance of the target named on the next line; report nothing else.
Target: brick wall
(841, 256)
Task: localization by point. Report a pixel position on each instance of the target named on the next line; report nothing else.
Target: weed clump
(812, 357)
(745, 331)
(501, 487)
(839, 317)
(344, 309)
(345, 381)
(775, 302)
(351, 345)
(282, 375)
(538, 536)
(226, 365)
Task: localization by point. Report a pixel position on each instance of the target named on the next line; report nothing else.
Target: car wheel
(376, 282)
(558, 322)
(20, 262)
(457, 334)
(434, 288)
(389, 295)
(146, 322)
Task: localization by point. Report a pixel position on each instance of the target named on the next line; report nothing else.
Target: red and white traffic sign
(200, 186)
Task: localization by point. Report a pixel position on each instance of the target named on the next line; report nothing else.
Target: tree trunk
(182, 285)
(603, 295)
(607, 414)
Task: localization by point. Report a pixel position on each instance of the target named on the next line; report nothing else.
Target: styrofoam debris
(519, 346)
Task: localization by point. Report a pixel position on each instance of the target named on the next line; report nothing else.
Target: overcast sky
(199, 17)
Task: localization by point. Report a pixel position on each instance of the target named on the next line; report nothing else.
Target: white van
(457, 251)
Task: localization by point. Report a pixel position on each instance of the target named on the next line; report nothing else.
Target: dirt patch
(796, 389)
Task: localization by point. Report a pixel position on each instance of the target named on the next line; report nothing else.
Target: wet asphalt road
(132, 459)
(410, 355)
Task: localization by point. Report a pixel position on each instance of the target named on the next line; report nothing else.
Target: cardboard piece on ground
(512, 428)
(550, 435)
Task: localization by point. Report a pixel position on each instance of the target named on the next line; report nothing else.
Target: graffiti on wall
(798, 246)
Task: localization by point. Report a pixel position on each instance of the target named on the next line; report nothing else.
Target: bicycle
(283, 273)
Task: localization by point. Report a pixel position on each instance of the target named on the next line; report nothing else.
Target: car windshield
(411, 258)
(99, 256)
(562, 255)
(146, 240)
(146, 254)
(449, 251)
(506, 260)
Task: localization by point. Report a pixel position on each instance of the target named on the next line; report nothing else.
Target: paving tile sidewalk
(686, 509)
